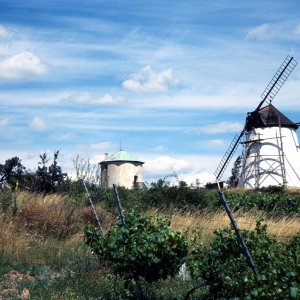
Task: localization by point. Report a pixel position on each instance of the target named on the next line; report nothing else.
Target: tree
(47, 178)
(12, 171)
(233, 180)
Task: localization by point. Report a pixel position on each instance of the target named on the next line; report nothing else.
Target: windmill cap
(120, 155)
(268, 116)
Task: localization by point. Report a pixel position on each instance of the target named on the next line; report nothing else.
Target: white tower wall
(273, 158)
(123, 174)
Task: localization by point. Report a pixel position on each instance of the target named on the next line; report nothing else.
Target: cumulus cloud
(37, 123)
(187, 168)
(165, 164)
(221, 127)
(22, 66)
(202, 178)
(146, 80)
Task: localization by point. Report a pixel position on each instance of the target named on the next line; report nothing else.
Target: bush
(145, 248)
(223, 266)
(161, 195)
(272, 200)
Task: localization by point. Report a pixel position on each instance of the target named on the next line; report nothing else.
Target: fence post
(119, 205)
(249, 258)
(93, 207)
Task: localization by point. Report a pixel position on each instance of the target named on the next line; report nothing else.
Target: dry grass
(45, 219)
(45, 228)
(55, 215)
(204, 223)
(51, 215)
(13, 241)
(106, 218)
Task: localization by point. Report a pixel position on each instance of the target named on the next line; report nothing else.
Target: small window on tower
(135, 181)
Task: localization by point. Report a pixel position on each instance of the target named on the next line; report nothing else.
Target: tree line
(46, 178)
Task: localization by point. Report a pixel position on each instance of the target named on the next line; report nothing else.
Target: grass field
(43, 254)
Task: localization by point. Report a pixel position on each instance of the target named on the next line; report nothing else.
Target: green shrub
(184, 197)
(272, 200)
(144, 248)
(223, 266)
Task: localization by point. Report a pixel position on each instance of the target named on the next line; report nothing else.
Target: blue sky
(171, 80)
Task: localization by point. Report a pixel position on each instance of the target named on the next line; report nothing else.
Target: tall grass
(13, 240)
(206, 222)
(48, 216)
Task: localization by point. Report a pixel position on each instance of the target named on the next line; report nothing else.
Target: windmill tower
(271, 152)
(121, 169)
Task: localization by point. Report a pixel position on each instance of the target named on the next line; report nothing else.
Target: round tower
(271, 155)
(121, 169)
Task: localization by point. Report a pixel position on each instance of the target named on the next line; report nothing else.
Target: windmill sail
(228, 155)
(268, 94)
(278, 80)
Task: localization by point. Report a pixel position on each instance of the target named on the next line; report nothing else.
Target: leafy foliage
(272, 200)
(160, 195)
(223, 266)
(47, 178)
(144, 248)
(182, 196)
(11, 171)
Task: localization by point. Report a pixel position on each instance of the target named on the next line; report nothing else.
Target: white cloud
(286, 30)
(187, 167)
(165, 164)
(87, 98)
(84, 97)
(216, 142)
(146, 80)
(37, 123)
(109, 99)
(221, 127)
(22, 66)
(4, 123)
(202, 177)
(261, 31)
(5, 32)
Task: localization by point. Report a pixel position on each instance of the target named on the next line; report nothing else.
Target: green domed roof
(120, 155)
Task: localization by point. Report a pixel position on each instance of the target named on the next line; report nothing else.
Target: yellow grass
(56, 214)
(44, 219)
(13, 241)
(206, 222)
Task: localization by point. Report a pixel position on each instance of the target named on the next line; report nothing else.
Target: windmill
(271, 152)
